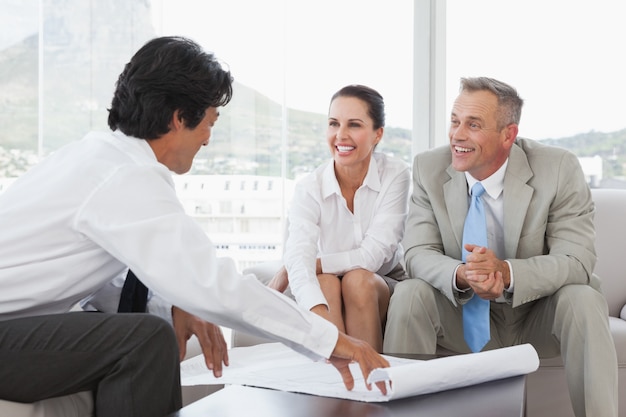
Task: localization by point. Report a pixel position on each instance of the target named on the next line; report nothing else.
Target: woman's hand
(280, 281)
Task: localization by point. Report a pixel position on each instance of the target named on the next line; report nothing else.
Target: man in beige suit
(537, 270)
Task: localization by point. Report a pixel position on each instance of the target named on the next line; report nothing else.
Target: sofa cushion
(610, 231)
(75, 405)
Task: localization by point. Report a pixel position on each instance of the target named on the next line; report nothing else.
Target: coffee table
(499, 398)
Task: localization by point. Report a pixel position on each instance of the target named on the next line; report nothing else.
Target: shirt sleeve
(301, 247)
(136, 217)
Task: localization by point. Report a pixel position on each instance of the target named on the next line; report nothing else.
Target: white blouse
(322, 226)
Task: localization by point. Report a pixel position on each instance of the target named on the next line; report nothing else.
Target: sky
(14, 24)
(320, 45)
(565, 57)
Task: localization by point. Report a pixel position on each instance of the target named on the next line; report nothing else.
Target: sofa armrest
(622, 315)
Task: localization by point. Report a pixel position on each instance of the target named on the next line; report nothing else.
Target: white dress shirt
(322, 226)
(78, 219)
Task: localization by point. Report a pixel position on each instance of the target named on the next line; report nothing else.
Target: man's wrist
(459, 276)
(506, 277)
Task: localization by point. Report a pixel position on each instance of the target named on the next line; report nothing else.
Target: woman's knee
(364, 286)
(358, 279)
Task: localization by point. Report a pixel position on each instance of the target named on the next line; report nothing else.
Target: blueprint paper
(275, 366)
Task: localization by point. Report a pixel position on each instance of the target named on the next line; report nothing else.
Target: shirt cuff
(512, 283)
(309, 296)
(509, 290)
(333, 263)
(454, 287)
(323, 337)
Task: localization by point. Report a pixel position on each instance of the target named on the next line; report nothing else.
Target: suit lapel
(454, 191)
(517, 196)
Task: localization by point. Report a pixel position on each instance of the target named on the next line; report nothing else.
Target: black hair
(373, 99)
(167, 74)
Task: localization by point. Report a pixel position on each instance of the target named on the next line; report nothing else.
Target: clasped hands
(483, 272)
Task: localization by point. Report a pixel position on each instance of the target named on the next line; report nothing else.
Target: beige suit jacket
(548, 221)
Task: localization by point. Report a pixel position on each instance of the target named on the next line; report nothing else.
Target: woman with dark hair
(343, 253)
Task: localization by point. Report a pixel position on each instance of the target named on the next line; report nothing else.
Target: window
(59, 64)
(563, 58)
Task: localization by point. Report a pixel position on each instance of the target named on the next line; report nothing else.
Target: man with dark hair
(106, 203)
(526, 274)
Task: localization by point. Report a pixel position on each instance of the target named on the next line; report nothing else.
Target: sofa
(546, 389)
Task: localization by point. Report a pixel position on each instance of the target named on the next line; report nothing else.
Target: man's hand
(209, 335)
(280, 281)
(349, 349)
(487, 275)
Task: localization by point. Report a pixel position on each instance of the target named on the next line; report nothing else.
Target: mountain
(80, 67)
(611, 147)
(79, 74)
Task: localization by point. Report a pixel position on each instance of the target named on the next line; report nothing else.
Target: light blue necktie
(476, 310)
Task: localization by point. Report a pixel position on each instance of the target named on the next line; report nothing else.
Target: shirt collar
(131, 141)
(494, 184)
(330, 185)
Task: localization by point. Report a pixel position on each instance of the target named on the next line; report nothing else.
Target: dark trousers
(129, 361)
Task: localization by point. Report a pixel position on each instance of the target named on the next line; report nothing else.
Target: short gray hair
(509, 102)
